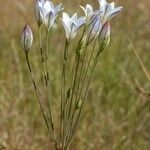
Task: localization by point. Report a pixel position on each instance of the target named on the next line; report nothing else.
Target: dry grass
(116, 116)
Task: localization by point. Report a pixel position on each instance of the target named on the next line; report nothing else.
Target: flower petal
(114, 12)
(58, 8)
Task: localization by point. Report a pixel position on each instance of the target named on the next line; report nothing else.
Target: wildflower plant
(93, 38)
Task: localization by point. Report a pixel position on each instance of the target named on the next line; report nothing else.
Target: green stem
(48, 86)
(36, 91)
(74, 85)
(69, 100)
(63, 93)
(86, 70)
(70, 104)
(83, 71)
(84, 97)
(42, 54)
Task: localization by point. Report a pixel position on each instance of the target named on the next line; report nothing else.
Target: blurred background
(117, 113)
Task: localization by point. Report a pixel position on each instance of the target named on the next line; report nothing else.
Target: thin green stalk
(79, 82)
(63, 92)
(82, 67)
(69, 107)
(36, 91)
(83, 100)
(86, 70)
(41, 54)
(48, 85)
(74, 85)
(81, 73)
(69, 101)
(84, 97)
(46, 56)
(78, 58)
(71, 118)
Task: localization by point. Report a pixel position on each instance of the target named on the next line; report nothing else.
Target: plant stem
(86, 70)
(63, 94)
(36, 91)
(41, 54)
(48, 86)
(84, 97)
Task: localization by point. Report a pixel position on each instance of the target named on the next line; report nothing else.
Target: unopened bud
(26, 38)
(104, 36)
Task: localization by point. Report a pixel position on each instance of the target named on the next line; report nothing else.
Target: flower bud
(104, 36)
(26, 38)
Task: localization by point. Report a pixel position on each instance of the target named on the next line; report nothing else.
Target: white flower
(72, 24)
(108, 10)
(38, 13)
(93, 19)
(48, 12)
(88, 10)
(26, 38)
(96, 26)
(89, 13)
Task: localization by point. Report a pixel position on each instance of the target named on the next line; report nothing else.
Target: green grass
(115, 117)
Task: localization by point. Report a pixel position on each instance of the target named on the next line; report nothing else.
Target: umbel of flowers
(93, 37)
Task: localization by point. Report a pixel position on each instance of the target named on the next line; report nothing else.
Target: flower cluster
(77, 69)
(46, 13)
